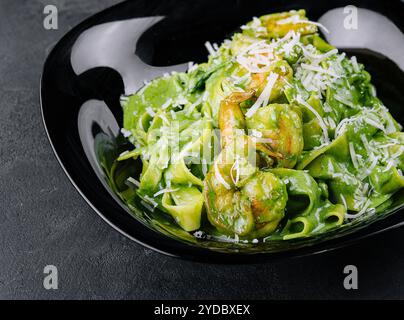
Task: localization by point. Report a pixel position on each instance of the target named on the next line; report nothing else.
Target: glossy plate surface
(113, 52)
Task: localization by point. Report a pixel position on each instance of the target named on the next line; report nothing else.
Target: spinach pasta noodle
(277, 136)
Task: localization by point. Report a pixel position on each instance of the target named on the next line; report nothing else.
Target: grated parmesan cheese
(263, 99)
(235, 167)
(355, 64)
(320, 119)
(166, 104)
(133, 181)
(344, 201)
(361, 212)
(126, 133)
(166, 190)
(318, 69)
(220, 178)
(210, 48)
(150, 112)
(353, 155)
(374, 124)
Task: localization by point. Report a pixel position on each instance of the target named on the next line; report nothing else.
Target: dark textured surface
(43, 220)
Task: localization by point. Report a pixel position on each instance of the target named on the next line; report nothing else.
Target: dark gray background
(43, 220)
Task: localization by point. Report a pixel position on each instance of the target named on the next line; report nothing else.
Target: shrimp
(280, 24)
(241, 199)
(285, 76)
(232, 123)
(281, 128)
(280, 125)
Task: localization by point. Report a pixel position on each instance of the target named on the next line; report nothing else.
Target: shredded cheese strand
(263, 99)
(220, 178)
(320, 119)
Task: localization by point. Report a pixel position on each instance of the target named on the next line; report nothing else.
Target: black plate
(112, 52)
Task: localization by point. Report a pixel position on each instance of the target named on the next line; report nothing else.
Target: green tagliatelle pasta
(278, 136)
